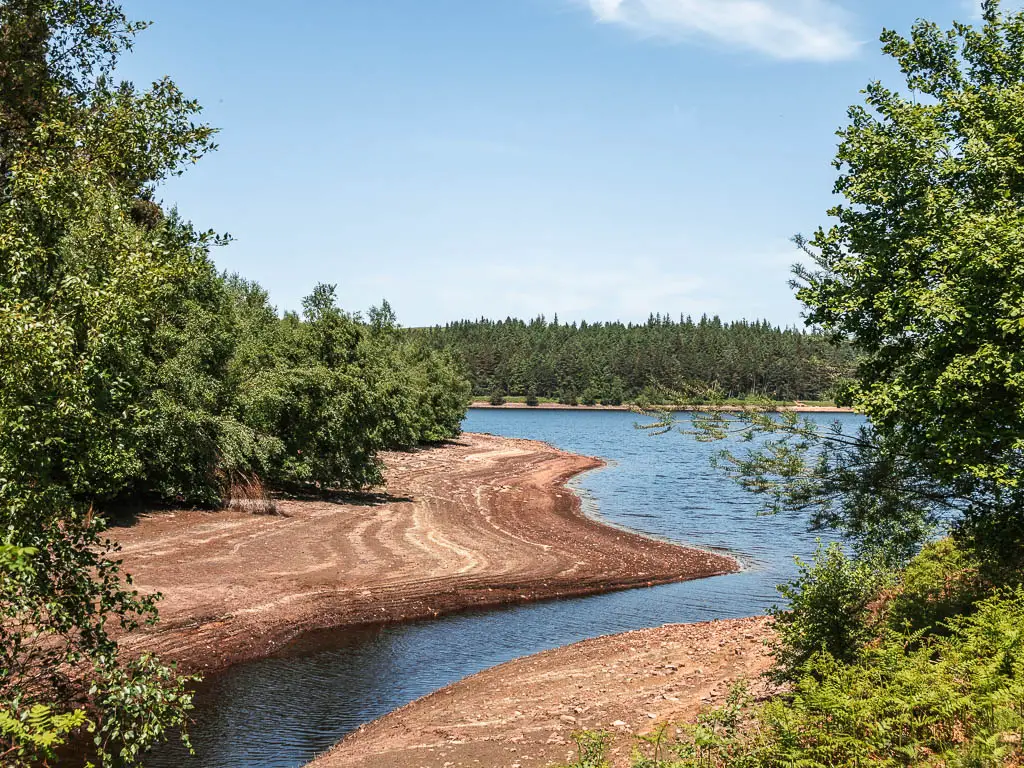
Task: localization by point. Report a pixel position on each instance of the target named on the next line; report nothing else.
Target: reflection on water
(280, 712)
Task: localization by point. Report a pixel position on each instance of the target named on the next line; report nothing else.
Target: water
(282, 711)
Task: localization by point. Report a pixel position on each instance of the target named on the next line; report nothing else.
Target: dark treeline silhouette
(662, 358)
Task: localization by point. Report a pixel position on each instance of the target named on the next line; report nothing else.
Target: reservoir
(281, 711)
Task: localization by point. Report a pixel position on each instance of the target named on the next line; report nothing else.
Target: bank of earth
(522, 714)
(480, 521)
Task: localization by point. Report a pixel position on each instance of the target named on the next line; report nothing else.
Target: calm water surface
(280, 712)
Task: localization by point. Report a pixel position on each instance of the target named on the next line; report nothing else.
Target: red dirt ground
(481, 521)
(522, 714)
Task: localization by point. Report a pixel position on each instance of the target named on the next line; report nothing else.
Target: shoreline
(523, 713)
(485, 406)
(479, 522)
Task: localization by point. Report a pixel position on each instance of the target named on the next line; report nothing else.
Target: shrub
(828, 610)
(591, 749)
(497, 398)
(906, 699)
(942, 582)
(531, 400)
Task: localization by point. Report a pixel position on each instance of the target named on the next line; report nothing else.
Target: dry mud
(522, 714)
(481, 521)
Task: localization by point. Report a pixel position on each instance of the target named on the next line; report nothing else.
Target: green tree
(81, 287)
(921, 273)
(129, 368)
(614, 362)
(922, 267)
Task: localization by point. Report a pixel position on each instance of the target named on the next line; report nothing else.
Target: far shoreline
(485, 406)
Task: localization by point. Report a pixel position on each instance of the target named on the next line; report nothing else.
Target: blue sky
(602, 159)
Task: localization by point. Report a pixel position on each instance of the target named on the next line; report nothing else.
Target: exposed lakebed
(283, 710)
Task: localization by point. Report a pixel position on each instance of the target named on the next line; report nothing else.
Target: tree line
(132, 370)
(663, 358)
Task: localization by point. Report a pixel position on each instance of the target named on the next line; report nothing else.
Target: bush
(828, 610)
(497, 398)
(906, 699)
(591, 749)
(942, 582)
(567, 398)
(531, 400)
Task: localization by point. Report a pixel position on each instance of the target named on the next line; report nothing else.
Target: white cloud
(816, 30)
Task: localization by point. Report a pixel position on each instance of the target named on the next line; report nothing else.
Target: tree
(81, 287)
(921, 273)
(922, 269)
(131, 369)
(614, 362)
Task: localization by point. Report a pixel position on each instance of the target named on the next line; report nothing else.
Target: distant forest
(662, 360)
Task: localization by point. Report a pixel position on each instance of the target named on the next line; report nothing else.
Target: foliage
(921, 275)
(614, 362)
(845, 482)
(713, 739)
(956, 700)
(496, 398)
(130, 369)
(828, 611)
(921, 269)
(591, 749)
(567, 398)
(906, 699)
(136, 699)
(944, 581)
(80, 286)
(33, 736)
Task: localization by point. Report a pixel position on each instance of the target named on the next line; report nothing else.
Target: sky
(594, 159)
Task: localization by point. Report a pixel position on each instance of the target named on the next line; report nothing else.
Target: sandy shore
(522, 714)
(483, 405)
(479, 522)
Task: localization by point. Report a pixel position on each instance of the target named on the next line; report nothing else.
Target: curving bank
(477, 522)
(523, 714)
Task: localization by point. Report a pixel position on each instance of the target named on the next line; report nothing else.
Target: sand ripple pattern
(481, 521)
